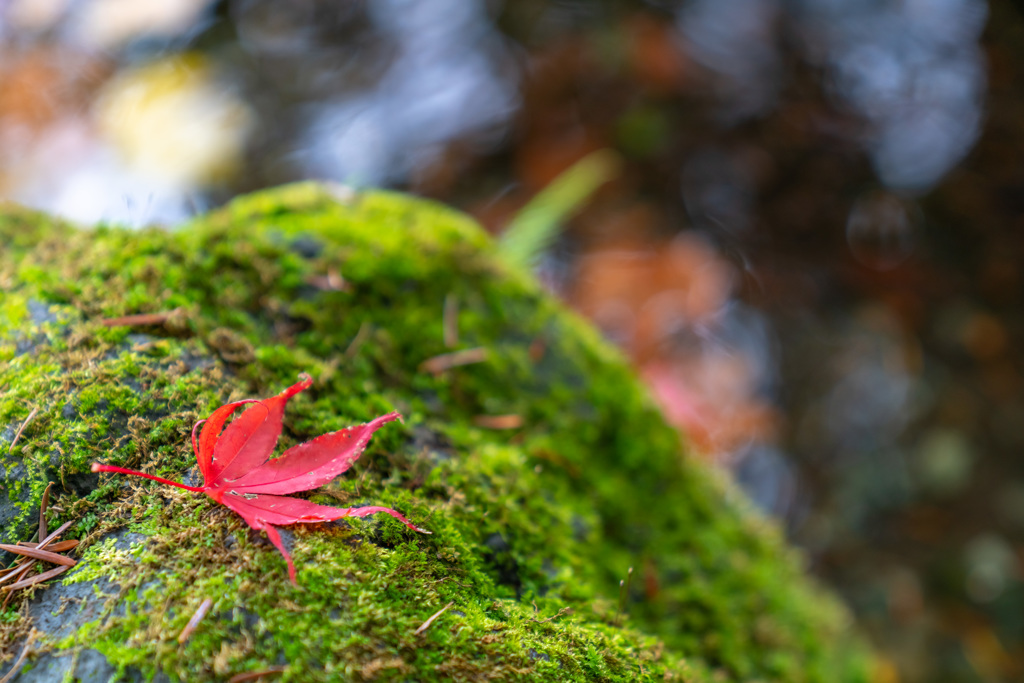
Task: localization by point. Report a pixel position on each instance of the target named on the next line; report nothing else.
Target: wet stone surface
(58, 610)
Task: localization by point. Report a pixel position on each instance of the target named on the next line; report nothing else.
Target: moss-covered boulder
(542, 468)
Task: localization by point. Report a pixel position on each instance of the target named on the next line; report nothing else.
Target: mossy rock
(533, 526)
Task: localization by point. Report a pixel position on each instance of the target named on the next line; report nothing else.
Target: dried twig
(426, 624)
(498, 421)
(253, 675)
(13, 671)
(204, 607)
(447, 361)
(561, 612)
(17, 435)
(451, 321)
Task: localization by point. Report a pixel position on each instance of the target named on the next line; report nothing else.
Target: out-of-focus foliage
(535, 227)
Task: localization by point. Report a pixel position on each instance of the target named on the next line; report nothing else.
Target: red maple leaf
(238, 472)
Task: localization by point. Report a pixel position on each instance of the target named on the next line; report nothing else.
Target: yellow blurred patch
(884, 671)
(172, 120)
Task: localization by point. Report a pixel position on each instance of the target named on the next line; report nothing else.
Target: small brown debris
(538, 347)
(332, 282)
(186, 632)
(498, 421)
(373, 669)
(426, 624)
(21, 429)
(447, 361)
(13, 671)
(451, 321)
(254, 675)
(557, 460)
(231, 346)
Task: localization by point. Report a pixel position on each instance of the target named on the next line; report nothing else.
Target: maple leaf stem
(97, 467)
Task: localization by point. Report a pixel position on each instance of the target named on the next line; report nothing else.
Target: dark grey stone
(533, 654)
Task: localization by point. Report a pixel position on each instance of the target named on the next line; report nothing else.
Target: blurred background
(802, 219)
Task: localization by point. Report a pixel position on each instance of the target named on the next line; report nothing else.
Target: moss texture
(533, 527)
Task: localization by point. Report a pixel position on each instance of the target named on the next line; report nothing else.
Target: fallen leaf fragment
(238, 472)
(426, 624)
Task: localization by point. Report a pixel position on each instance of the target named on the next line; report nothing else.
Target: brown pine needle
(447, 361)
(142, 319)
(44, 555)
(428, 622)
(13, 671)
(252, 675)
(17, 435)
(60, 547)
(498, 421)
(17, 573)
(38, 578)
(42, 511)
(186, 632)
(55, 535)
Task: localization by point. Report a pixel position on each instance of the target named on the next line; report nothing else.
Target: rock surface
(534, 525)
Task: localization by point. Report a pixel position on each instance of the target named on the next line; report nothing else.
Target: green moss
(528, 523)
